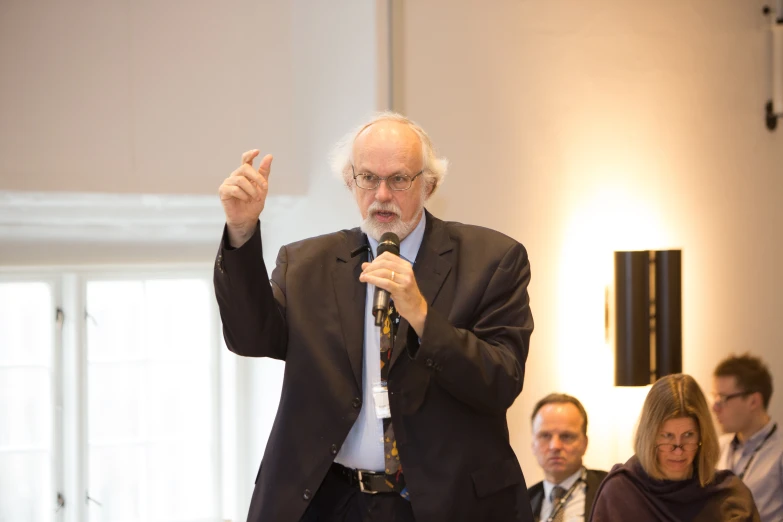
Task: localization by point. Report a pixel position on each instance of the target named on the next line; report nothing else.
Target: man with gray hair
(405, 342)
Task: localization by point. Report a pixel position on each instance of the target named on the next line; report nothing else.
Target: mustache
(377, 206)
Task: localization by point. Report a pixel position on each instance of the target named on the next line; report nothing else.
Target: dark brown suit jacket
(448, 393)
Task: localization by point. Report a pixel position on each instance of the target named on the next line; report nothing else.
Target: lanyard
(564, 500)
(753, 455)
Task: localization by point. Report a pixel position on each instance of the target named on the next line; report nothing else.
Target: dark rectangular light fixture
(648, 313)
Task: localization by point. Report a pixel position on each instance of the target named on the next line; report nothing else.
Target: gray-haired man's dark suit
(448, 393)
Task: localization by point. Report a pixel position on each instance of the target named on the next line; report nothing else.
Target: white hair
(434, 168)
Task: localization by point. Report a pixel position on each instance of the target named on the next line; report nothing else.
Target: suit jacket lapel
(351, 295)
(430, 269)
(536, 499)
(591, 487)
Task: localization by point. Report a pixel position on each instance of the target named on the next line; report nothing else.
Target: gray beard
(376, 229)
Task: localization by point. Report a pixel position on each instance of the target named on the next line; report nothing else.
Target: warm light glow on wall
(613, 217)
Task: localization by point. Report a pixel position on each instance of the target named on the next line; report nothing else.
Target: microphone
(380, 304)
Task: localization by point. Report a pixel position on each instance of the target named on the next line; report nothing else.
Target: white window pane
(26, 321)
(115, 482)
(25, 408)
(178, 321)
(25, 491)
(151, 394)
(190, 496)
(178, 401)
(115, 325)
(115, 398)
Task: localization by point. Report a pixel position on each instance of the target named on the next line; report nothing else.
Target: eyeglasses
(720, 400)
(396, 182)
(685, 446)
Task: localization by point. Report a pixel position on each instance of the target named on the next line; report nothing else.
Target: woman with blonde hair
(672, 476)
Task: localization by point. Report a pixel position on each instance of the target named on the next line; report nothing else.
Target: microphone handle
(380, 305)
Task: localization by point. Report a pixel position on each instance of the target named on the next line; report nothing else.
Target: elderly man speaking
(404, 344)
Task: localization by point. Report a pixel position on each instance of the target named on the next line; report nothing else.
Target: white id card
(380, 395)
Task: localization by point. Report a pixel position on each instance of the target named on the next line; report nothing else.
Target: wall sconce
(648, 312)
(774, 107)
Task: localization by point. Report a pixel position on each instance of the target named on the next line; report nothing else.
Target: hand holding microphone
(393, 276)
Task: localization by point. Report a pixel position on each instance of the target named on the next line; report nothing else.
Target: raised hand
(243, 195)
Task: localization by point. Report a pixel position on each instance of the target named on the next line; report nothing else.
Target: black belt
(370, 482)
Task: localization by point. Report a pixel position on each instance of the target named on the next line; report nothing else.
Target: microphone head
(389, 243)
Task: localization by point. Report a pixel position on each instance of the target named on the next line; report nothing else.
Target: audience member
(754, 448)
(559, 443)
(672, 476)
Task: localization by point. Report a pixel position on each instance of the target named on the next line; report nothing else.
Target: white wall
(143, 97)
(580, 128)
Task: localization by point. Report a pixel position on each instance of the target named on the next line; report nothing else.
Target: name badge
(380, 395)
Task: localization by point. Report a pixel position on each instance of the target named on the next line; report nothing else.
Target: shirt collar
(409, 247)
(566, 484)
(756, 437)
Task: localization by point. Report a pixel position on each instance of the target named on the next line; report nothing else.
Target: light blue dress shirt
(764, 476)
(363, 447)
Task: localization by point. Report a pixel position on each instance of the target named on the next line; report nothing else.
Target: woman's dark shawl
(628, 494)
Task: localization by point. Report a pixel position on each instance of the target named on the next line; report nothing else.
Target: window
(119, 411)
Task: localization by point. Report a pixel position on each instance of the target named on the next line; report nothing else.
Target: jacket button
(356, 402)
(306, 495)
(333, 449)
(429, 363)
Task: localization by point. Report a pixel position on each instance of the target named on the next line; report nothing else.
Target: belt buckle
(361, 484)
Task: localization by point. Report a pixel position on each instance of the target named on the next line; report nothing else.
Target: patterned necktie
(390, 454)
(557, 494)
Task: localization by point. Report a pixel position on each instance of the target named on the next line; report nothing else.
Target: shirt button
(306, 495)
(429, 363)
(356, 402)
(334, 449)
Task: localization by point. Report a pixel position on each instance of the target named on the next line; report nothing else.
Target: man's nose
(383, 192)
(555, 443)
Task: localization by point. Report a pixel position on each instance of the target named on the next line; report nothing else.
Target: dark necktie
(557, 495)
(391, 456)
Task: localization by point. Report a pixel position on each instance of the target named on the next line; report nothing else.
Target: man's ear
(756, 401)
(429, 190)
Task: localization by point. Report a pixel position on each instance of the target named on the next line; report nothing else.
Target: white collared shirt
(363, 447)
(574, 509)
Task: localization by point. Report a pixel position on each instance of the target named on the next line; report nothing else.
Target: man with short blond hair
(559, 443)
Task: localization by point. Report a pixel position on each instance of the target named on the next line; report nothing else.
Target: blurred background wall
(576, 128)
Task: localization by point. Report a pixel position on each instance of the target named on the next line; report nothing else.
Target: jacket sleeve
(483, 366)
(252, 308)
